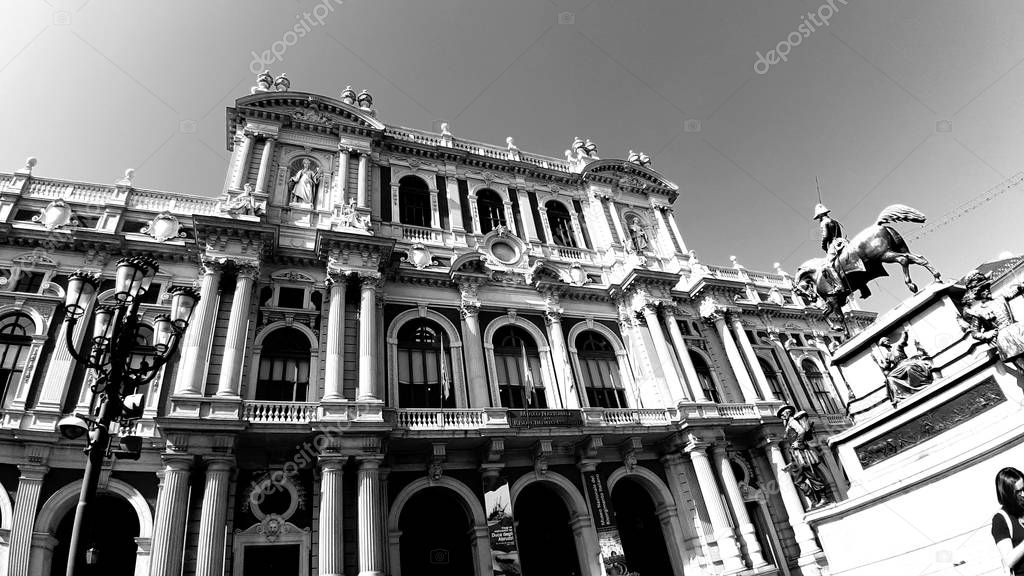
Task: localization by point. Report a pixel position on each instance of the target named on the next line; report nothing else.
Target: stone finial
(735, 263)
(348, 95)
(264, 82)
(282, 83)
(365, 100)
(129, 178)
(633, 157)
(30, 163)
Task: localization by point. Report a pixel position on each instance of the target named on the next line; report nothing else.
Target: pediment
(628, 175)
(304, 108)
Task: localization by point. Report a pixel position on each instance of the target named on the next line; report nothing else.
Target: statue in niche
(904, 374)
(637, 235)
(989, 319)
(805, 466)
(304, 184)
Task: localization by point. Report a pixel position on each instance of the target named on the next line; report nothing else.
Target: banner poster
(504, 550)
(613, 557)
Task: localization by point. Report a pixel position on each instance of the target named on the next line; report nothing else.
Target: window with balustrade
(519, 369)
(599, 369)
(774, 379)
(424, 366)
(705, 378)
(826, 404)
(413, 202)
(284, 367)
(560, 223)
(491, 209)
(15, 340)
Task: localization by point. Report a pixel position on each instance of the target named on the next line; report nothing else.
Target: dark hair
(1006, 493)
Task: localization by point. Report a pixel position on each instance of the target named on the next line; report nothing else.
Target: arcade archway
(111, 530)
(436, 535)
(546, 541)
(643, 539)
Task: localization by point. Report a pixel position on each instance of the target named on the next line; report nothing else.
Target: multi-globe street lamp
(112, 353)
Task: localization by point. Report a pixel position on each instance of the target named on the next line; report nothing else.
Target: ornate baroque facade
(392, 323)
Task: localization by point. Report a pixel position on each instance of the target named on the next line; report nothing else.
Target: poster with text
(504, 550)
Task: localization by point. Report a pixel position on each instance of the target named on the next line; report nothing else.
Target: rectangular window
(442, 202)
(582, 217)
(289, 297)
(85, 221)
(134, 226)
(467, 211)
(385, 193)
(535, 211)
(152, 296)
(29, 282)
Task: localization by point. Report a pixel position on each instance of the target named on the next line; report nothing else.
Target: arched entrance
(111, 529)
(546, 542)
(640, 528)
(436, 535)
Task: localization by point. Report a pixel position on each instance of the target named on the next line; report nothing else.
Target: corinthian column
(727, 546)
(171, 510)
(210, 556)
(368, 387)
(341, 184)
(242, 161)
(714, 314)
(331, 558)
(62, 364)
(677, 392)
(26, 501)
(371, 529)
(238, 329)
(566, 382)
(739, 508)
(197, 337)
(472, 340)
(334, 367)
(683, 352)
(752, 360)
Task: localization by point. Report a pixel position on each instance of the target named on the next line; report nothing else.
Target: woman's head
(1010, 490)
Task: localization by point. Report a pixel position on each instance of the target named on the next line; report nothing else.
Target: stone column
(242, 159)
(451, 183)
(361, 196)
(62, 365)
(334, 363)
(23, 519)
(369, 390)
(331, 556)
(371, 529)
(171, 512)
(739, 508)
(472, 340)
(210, 556)
(190, 379)
(677, 392)
(692, 549)
(546, 225)
(510, 218)
(667, 249)
(728, 548)
(474, 209)
(563, 368)
(435, 210)
(752, 361)
(530, 227)
(802, 533)
(715, 315)
(683, 353)
(238, 329)
(341, 184)
(788, 370)
(265, 160)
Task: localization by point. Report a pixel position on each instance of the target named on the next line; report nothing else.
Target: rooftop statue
(348, 95)
(282, 83)
(904, 375)
(850, 264)
(264, 82)
(989, 319)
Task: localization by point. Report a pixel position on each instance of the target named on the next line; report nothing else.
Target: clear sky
(917, 102)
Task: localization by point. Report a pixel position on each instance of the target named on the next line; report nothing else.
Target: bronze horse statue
(858, 262)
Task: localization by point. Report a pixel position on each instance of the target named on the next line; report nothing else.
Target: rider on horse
(832, 242)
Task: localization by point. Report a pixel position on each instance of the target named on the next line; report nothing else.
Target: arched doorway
(111, 529)
(642, 538)
(436, 535)
(546, 542)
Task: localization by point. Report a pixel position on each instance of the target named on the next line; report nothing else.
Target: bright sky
(913, 102)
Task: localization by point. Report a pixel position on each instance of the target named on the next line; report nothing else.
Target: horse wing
(899, 213)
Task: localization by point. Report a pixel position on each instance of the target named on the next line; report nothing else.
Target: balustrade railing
(437, 419)
(262, 412)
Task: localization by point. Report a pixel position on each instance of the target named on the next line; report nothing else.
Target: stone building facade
(393, 323)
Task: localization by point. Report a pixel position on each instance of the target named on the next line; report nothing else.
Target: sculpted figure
(904, 374)
(304, 184)
(812, 487)
(988, 319)
(245, 203)
(806, 464)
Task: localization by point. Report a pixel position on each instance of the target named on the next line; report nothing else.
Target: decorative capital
(336, 277)
(710, 310)
(553, 315)
(542, 452)
(469, 310)
(249, 269)
(371, 280)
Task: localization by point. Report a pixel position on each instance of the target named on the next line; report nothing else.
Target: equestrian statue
(849, 265)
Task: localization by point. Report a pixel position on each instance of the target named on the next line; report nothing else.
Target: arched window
(492, 210)
(816, 381)
(413, 202)
(600, 371)
(774, 379)
(637, 231)
(15, 340)
(707, 382)
(517, 361)
(561, 224)
(284, 367)
(424, 366)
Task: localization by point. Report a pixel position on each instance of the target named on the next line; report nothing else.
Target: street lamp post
(110, 352)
